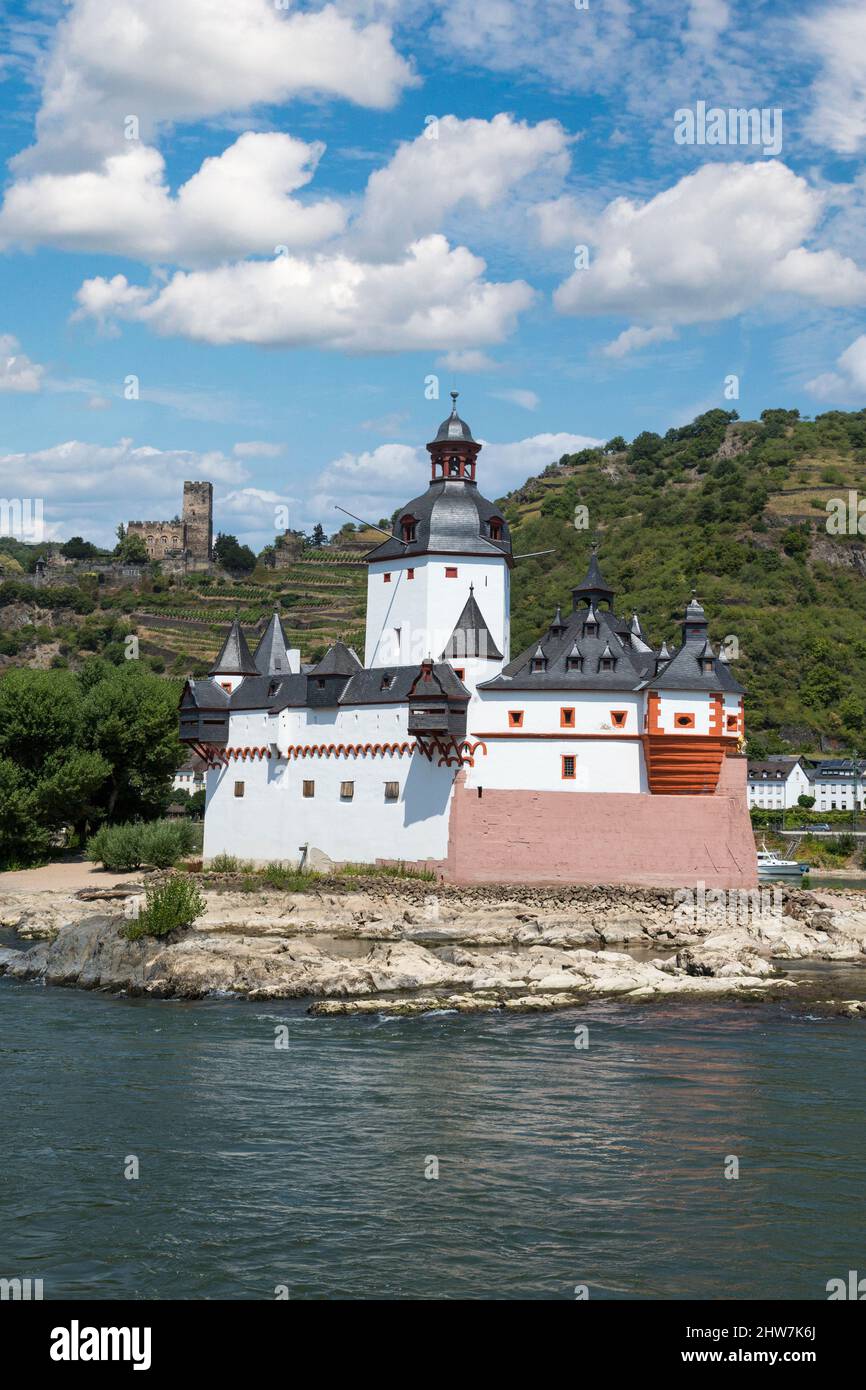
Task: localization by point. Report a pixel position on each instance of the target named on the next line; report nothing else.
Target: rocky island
(398, 947)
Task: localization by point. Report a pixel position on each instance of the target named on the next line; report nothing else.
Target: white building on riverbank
(593, 755)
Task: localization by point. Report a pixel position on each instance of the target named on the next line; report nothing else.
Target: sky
(259, 241)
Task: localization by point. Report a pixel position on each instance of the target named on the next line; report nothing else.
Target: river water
(303, 1168)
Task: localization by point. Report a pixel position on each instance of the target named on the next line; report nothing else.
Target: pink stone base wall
(601, 837)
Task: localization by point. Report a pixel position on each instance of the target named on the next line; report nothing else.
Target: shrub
(175, 904)
(116, 847)
(120, 848)
(164, 842)
(224, 864)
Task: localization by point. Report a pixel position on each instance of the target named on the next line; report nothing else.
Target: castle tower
(198, 519)
(449, 546)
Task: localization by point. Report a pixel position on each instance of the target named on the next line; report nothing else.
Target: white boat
(771, 867)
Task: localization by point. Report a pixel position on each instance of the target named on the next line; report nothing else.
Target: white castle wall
(273, 819)
(426, 608)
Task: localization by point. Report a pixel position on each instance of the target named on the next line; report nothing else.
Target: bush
(164, 842)
(116, 847)
(224, 864)
(175, 904)
(120, 848)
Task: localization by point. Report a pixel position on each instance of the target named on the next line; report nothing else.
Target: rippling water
(305, 1167)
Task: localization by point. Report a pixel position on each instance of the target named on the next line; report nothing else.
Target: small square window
(320, 682)
(239, 788)
(515, 718)
(392, 791)
(569, 763)
(460, 672)
(410, 574)
(347, 791)
(387, 577)
(684, 721)
(618, 718)
(226, 685)
(731, 722)
(566, 717)
(309, 789)
(450, 571)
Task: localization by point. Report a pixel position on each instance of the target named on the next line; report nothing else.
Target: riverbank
(395, 946)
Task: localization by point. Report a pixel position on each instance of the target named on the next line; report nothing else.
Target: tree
(318, 534)
(807, 802)
(130, 719)
(78, 549)
(236, 558)
(132, 551)
(617, 445)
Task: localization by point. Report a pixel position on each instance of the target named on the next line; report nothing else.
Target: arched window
(409, 528)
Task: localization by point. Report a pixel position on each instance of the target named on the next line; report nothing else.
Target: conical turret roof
(272, 657)
(235, 659)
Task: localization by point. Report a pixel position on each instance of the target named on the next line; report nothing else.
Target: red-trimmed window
(731, 721)
(515, 718)
(566, 717)
(387, 577)
(410, 574)
(450, 571)
(618, 718)
(569, 766)
(408, 525)
(226, 685)
(460, 672)
(496, 528)
(684, 721)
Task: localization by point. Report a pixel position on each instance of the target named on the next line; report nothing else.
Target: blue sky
(283, 220)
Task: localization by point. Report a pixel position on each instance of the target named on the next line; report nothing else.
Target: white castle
(590, 757)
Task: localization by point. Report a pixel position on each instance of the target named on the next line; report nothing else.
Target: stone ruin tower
(198, 520)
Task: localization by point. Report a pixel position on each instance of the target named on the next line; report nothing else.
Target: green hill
(737, 510)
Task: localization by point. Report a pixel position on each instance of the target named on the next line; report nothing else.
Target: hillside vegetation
(737, 510)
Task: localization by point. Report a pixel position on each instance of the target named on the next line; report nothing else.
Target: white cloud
(254, 515)
(470, 161)
(109, 482)
(165, 62)
(238, 203)
(526, 399)
(433, 296)
(17, 372)
(469, 360)
(836, 34)
(504, 466)
(258, 449)
(632, 338)
(848, 382)
(716, 243)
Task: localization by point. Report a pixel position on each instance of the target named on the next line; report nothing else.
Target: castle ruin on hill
(190, 535)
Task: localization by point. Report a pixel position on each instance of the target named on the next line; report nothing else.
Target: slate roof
(235, 659)
(594, 583)
(451, 518)
(634, 661)
(629, 671)
(771, 769)
(339, 660)
(471, 636)
(453, 427)
(272, 656)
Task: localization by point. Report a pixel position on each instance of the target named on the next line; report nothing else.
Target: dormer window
(408, 527)
(539, 661)
(273, 688)
(591, 626)
(707, 665)
(607, 663)
(387, 682)
(574, 663)
(496, 528)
